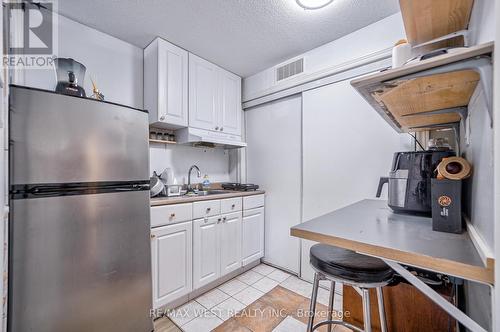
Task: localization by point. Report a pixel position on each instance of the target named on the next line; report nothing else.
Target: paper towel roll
(401, 53)
(454, 168)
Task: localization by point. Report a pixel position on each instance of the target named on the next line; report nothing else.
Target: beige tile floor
(258, 290)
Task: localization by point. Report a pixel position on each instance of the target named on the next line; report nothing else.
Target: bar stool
(353, 269)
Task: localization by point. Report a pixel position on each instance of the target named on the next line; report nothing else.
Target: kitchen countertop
(156, 201)
(370, 227)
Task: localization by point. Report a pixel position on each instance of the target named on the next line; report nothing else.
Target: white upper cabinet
(230, 103)
(166, 84)
(202, 93)
(214, 97)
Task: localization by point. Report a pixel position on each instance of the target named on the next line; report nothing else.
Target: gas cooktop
(239, 186)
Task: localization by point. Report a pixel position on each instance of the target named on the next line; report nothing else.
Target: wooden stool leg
(381, 309)
(366, 310)
(312, 306)
(330, 304)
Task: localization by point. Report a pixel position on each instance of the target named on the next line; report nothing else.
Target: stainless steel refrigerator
(79, 254)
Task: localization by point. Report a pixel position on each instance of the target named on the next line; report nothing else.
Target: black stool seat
(348, 265)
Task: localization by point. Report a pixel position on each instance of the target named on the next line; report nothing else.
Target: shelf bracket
(454, 125)
(462, 111)
(436, 298)
(464, 33)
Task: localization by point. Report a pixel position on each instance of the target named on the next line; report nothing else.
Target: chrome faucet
(189, 177)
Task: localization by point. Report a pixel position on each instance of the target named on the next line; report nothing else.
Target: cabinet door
(171, 254)
(230, 103)
(206, 260)
(230, 242)
(172, 84)
(252, 235)
(202, 94)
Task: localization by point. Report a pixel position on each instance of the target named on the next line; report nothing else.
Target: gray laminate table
(370, 227)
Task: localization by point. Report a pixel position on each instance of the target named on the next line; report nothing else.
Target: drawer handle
(208, 209)
(224, 219)
(172, 215)
(218, 220)
(233, 206)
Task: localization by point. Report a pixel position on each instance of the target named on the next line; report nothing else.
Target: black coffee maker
(409, 180)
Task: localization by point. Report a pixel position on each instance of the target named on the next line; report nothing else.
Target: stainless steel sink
(212, 192)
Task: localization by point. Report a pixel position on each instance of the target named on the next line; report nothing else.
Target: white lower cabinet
(188, 254)
(217, 247)
(252, 244)
(206, 258)
(171, 254)
(230, 244)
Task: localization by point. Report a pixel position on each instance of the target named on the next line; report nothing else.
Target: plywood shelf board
(409, 101)
(425, 20)
(404, 96)
(429, 93)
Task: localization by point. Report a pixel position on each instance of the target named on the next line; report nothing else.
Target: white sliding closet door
(273, 134)
(346, 148)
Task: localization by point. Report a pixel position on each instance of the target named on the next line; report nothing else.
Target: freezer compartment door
(62, 139)
(80, 263)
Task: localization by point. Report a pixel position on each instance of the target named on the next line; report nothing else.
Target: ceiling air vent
(290, 69)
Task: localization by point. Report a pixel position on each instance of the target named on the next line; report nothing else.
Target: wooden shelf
(428, 93)
(159, 141)
(410, 101)
(425, 20)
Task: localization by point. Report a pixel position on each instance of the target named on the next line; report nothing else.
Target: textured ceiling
(243, 36)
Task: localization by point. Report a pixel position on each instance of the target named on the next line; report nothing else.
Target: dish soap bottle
(206, 183)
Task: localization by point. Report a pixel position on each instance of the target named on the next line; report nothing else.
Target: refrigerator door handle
(65, 189)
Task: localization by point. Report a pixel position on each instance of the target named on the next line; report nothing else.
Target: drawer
(206, 209)
(252, 202)
(171, 214)
(231, 205)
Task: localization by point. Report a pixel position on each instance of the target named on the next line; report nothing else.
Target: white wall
(214, 162)
(482, 22)
(479, 151)
(347, 147)
(496, 201)
(338, 131)
(376, 37)
(116, 66)
(479, 199)
(274, 137)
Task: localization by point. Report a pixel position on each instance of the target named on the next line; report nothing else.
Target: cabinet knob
(221, 129)
(208, 209)
(172, 215)
(217, 128)
(162, 117)
(152, 236)
(218, 220)
(233, 206)
(224, 219)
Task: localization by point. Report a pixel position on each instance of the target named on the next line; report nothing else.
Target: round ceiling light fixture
(313, 4)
